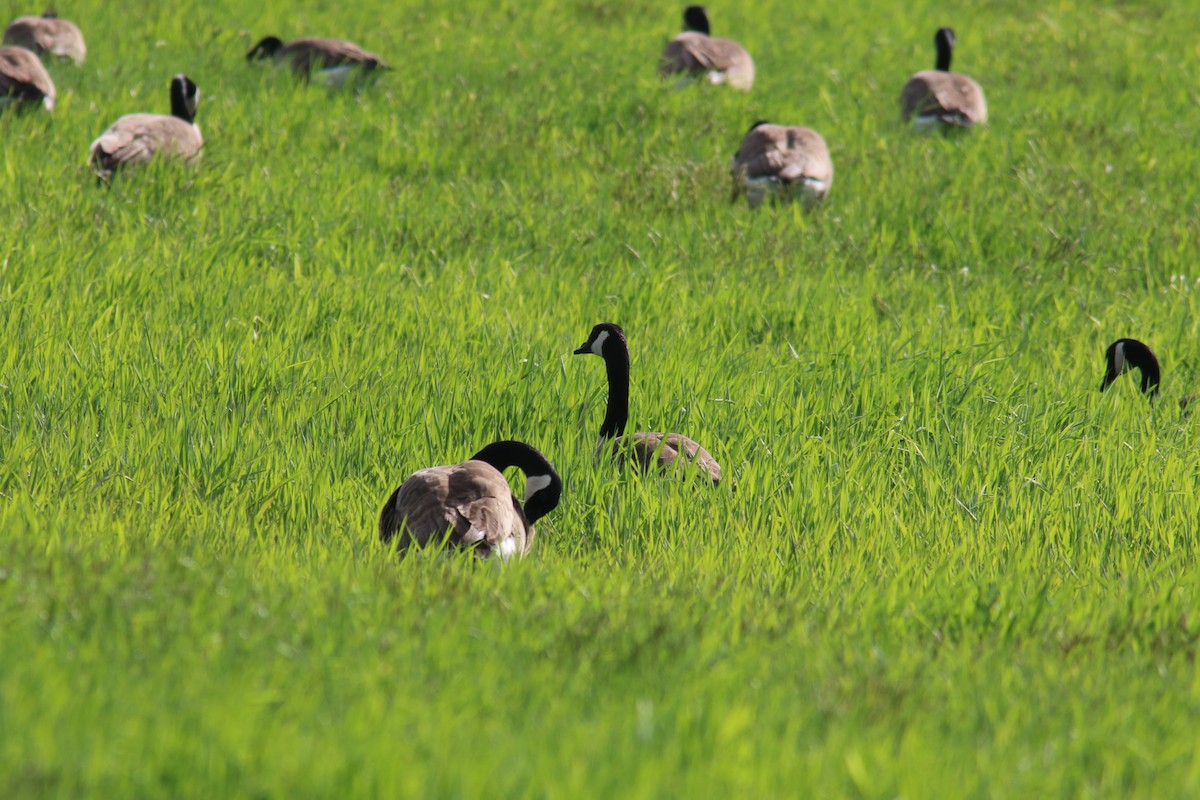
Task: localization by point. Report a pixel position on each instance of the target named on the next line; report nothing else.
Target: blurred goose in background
(694, 52)
(939, 98)
(47, 34)
(23, 79)
(783, 161)
(137, 138)
(647, 450)
(471, 503)
(332, 60)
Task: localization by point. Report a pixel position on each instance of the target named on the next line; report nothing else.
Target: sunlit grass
(951, 566)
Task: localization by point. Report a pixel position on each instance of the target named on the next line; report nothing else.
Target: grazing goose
(1125, 354)
(137, 138)
(472, 503)
(332, 59)
(939, 98)
(23, 79)
(648, 450)
(784, 161)
(694, 52)
(47, 34)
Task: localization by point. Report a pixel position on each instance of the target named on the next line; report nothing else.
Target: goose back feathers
(671, 452)
(785, 161)
(471, 503)
(695, 53)
(939, 98)
(47, 34)
(137, 138)
(23, 79)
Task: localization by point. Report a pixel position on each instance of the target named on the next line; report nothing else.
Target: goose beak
(583, 349)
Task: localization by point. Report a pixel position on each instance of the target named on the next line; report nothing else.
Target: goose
(782, 160)
(694, 52)
(137, 138)
(23, 79)
(332, 59)
(939, 98)
(47, 34)
(472, 503)
(648, 450)
(1126, 354)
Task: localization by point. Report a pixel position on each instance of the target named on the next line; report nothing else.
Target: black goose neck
(616, 364)
(179, 102)
(944, 42)
(695, 19)
(510, 453)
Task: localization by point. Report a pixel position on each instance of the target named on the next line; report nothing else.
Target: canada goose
(472, 502)
(784, 161)
(694, 52)
(662, 450)
(24, 79)
(136, 138)
(47, 34)
(332, 59)
(939, 98)
(1125, 354)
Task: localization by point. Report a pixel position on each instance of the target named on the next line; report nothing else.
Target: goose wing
(472, 501)
(955, 98)
(308, 54)
(136, 138)
(52, 35)
(663, 450)
(22, 76)
(787, 154)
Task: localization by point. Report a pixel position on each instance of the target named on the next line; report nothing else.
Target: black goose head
(543, 487)
(606, 340)
(266, 48)
(943, 40)
(49, 13)
(1125, 354)
(695, 19)
(184, 97)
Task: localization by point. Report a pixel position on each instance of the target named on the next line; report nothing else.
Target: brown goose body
(671, 452)
(334, 58)
(939, 98)
(471, 503)
(47, 34)
(695, 53)
(784, 161)
(138, 138)
(23, 79)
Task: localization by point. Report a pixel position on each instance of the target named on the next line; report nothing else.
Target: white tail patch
(598, 345)
(534, 484)
(507, 548)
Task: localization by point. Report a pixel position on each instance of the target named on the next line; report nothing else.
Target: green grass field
(951, 566)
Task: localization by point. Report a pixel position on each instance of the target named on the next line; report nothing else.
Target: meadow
(943, 563)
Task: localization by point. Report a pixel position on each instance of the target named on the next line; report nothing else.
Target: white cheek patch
(1119, 359)
(598, 345)
(534, 484)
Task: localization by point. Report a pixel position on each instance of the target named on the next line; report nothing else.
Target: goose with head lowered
(695, 53)
(941, 99)
(666, 451)
(783, 161)
(1126, 354)
(333, 60)
(23, 80)
(47, 34)
(471, 505)
(138, 138)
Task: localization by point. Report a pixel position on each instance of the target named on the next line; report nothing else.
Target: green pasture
(943, 564)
